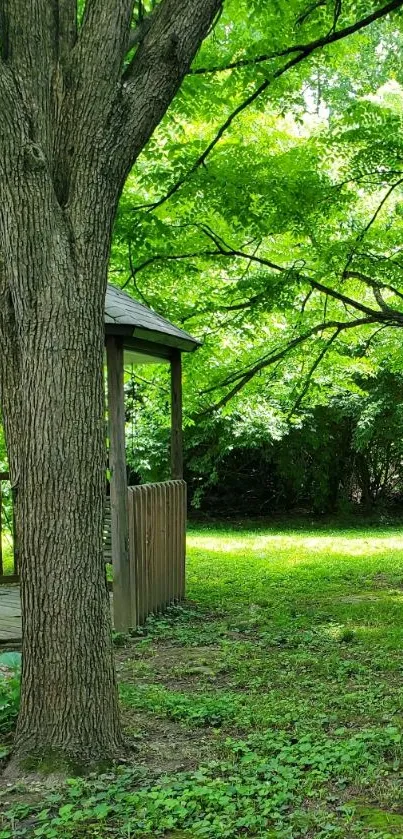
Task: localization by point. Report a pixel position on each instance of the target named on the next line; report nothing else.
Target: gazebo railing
(157, 547)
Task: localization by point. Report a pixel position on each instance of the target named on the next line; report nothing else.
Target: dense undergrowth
(271, 705)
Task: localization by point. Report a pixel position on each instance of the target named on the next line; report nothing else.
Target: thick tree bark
(69, 705)
(73, 121)
(69, 709)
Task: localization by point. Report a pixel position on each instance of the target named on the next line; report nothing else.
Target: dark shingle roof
(122, 310)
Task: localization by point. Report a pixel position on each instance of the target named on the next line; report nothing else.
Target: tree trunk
(69, 709)
(75, 116)
(56, 272)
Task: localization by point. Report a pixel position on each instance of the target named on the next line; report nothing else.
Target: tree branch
(309, 47)
(314, 367)
(350, 301)
(67, 27)
(159, 66)
(226, 250)
(137, 35)
(303, 51)
(102, 45)
(30, 49)
(135, 269)
(243, 378)
(372, 220)
(232, 307)
(309, 11)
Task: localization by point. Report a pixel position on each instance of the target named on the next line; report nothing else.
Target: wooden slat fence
(7, 532)
(157, 547)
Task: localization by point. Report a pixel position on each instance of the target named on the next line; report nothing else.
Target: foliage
(345, 451)
(288, 659)
(292, 221)
(268, 252)
(10, 672)
(3, 453)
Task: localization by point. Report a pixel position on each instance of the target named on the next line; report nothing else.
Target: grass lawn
(7, 554)
(271, 705)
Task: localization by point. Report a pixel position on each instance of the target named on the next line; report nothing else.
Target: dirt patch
(28, 790)
(177, 668)
(386, 581)
(358, 598)
(165, 746)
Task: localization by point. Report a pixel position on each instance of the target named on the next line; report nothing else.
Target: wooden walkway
(10, 615)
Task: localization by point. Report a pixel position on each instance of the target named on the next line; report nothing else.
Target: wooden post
(118, 483)
(176, 417)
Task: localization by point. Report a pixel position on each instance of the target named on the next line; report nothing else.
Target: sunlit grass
(283, 675)
(7, 554)
(354, 578)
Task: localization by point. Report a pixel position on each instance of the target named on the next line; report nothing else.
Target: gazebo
(147, 522)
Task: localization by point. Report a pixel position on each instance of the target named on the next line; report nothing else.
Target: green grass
(7, 554)
(278, 689)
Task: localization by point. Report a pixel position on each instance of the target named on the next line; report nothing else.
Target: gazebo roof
(142, 329)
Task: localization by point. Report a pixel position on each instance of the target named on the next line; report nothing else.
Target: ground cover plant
(269, 705)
